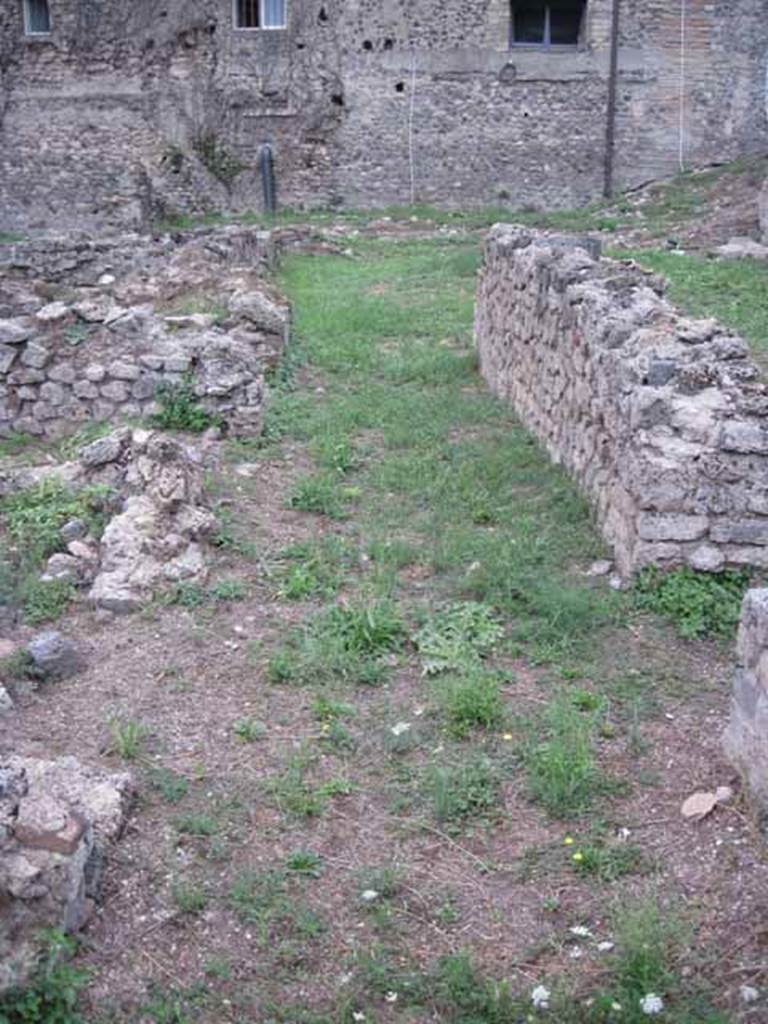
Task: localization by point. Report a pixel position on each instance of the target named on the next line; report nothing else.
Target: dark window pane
(565, 21)
(38, 16)
(247, 13)
(528, 21)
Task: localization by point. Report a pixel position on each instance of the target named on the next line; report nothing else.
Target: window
(37, 18)
(260, 13)
(546, 22)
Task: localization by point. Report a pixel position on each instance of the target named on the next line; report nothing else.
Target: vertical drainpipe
(613, 84)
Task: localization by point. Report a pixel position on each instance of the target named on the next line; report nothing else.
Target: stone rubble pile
(661, 420)
(57, 820)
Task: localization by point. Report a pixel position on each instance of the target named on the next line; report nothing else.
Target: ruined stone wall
(661, 420)
(746, 737)
(127, 112)
(96, 332)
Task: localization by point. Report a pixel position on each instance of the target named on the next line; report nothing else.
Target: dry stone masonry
(746, 737)
(57, 821)
(93, 332)
(661, 420)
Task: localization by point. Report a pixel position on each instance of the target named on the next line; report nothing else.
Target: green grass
(457, 637)
(469, 789)
(181, 410)
(53, 993)
(471, 701)
(314, 568)
(563, 775)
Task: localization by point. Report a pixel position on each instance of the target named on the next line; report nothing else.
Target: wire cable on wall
(683, 41)
(411, 113)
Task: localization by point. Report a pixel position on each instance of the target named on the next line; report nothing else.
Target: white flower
(358, 1015)
(400, 728)
(390, 997)
(540, 997)
(651, 1004)
(605, 947)
(369, 895)
(749, 994)
(576, 953)
(580, 931)
(616, 1007)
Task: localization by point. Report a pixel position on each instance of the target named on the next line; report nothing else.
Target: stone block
(95, 372)
(35, 356)
(52, 393)
(740, 531)
(124, 371)
(115, 391)
(7, 358)
(671, 527)
(62, 372)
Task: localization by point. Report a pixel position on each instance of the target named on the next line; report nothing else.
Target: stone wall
(661, 420)
(127, 112)
(77, 348)
(746, 737)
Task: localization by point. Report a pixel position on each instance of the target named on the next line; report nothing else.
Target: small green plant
(53, 993)
(190, 897)
(197, 824)
(171, 786)
(180, 408)
(699, 603)
(314, 568)
(20, 667)
(248, 730)
(222, 164)
(266, 900)
(608, 861)
(335, 453)
(305, 862)
(128, 737)
(34, 517)
(562, 772)
(293, 793)
(45, 600)
(322, 494)
(472, 701)
(457, 637)
(466, 790)
(187, 595)
(229, 590)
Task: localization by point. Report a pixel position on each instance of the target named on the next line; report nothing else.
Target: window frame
(546, 43)
(261, 27)
(27, 19)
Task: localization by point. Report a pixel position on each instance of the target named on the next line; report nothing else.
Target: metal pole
(613, 84)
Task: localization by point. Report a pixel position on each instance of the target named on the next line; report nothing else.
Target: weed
(335, 453)
(471, 701)
(70, 446)
(293, 793)
(180, 409)
(229, 590)
(52, 995)
(264, 899)
(466, 790)
(197, 824)
(562, 773)
(315, 568)
(700, 604)
(345, 642)
(248, 730)
(45, 600)
(457, 637)
(20, 667)
(128, 737)
(305, 862)
(327, 710)
(171, 786)
(190, 897)
(608, 861)
(321, 494)
(34, 517)
(187, 595)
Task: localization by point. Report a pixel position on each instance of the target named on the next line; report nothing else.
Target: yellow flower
(578, 856)
(507, 736)
(568, 841)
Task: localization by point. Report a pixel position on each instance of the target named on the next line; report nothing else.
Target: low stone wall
(95, 331)
(660, 419)
(746, 737)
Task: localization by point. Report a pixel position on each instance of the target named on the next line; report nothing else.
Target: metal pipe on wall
(613, 85)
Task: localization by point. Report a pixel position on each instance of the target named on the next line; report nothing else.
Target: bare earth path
(403, 759)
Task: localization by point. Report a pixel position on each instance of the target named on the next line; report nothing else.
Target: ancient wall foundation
(99, 332)
(662, 420)
(746, 737)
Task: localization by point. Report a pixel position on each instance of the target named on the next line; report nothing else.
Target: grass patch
(698, 603)
(52, 995)
(269, 901)
(346, 643)
(470, 789)
(472, 701)
(315, 568)
(322, 494)
(181, 410)
(563, 775)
